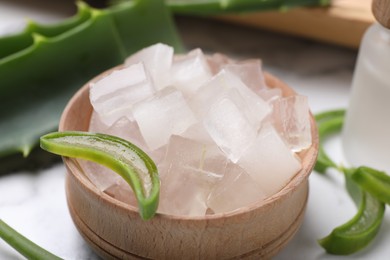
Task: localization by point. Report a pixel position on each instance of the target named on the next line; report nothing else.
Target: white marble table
(34, 203)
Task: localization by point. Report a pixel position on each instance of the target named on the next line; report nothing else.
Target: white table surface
(34, 203)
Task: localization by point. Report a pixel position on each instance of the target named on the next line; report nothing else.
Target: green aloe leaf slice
(129, 161)
(373, 181)
(359, 231)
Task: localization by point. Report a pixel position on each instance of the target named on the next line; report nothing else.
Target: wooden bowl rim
(310, 153)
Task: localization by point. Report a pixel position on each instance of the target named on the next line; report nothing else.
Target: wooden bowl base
(109, 251)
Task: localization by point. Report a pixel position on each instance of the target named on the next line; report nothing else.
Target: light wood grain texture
(381, 11)
(343, 23)
(115, 230)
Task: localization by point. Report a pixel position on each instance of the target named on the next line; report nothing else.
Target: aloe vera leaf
(373, 181)
(328, 124)
(354, 191)
(151, 22)
(23, 245)
(358, 232)
(34, 94)
(11, 44)
(330, 114)
(126, 159)
(207, 7)
(37, 82)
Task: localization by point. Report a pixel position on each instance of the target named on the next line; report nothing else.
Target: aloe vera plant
(38, 78)
(13, 43)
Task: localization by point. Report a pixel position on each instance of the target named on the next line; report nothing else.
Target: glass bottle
(366, 131)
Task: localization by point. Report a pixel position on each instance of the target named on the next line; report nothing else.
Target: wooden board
(343, 23)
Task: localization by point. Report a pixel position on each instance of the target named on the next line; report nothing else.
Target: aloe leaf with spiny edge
(13, 43)
(38, 80)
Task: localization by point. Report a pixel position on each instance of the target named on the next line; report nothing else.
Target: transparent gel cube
(114, 96)
(235, 190)
(190, 72)
(292, 120)
(157, 60)
(188, 173)
(225, 84)
(229, 128)
(165, 114)
(269, 161)
(249, 72)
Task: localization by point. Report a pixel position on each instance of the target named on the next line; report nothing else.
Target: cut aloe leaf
(373, 181)
(130, 162)
(359, 231)
(23, 245)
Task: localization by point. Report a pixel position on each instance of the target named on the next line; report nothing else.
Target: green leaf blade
(130, 162)
(31, 105)
(38, 81)
(141, 23)
(373, 181)
(358, 232)
(12, 44)
(328, 123)
(23, 245)
(213, 7)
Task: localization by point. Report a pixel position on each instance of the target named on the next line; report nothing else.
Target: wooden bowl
(115, 230)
